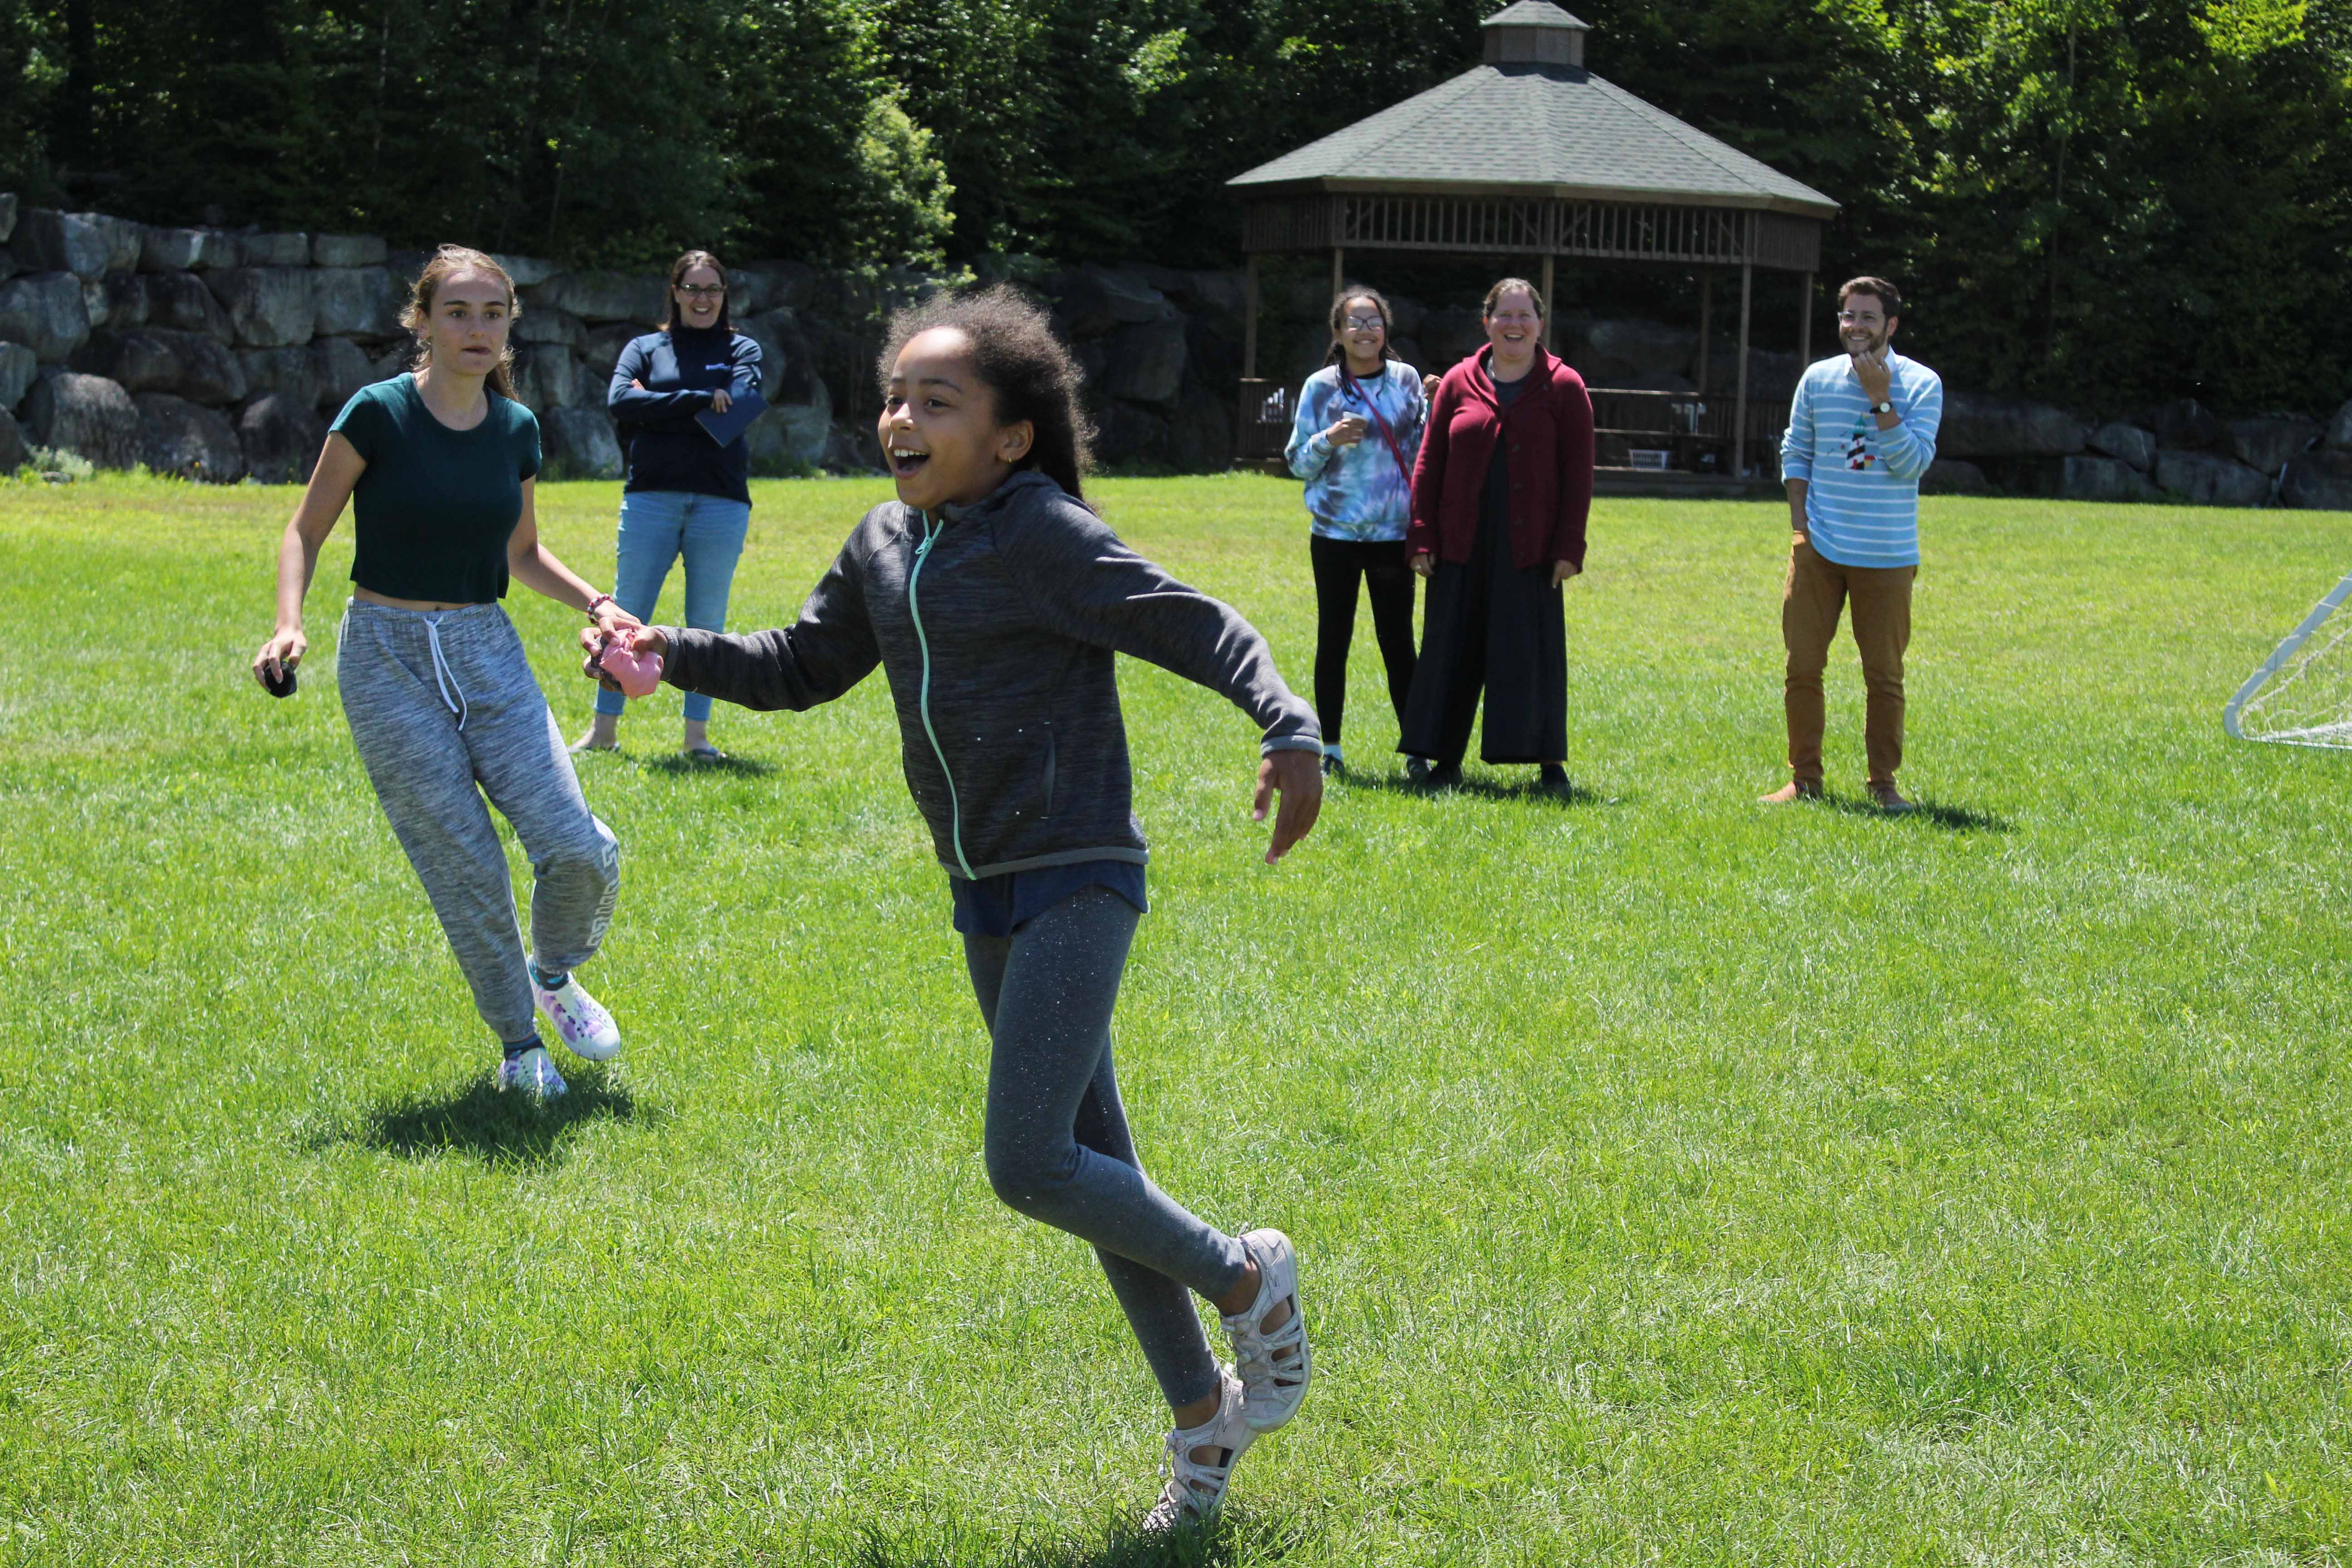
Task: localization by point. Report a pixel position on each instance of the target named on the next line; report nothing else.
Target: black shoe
(1416, 771)
(1553, 780)
(1445, 775)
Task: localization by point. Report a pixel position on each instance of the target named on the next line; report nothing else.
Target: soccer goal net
(2302, 695)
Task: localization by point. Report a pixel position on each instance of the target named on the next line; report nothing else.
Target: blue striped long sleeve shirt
(1862, 495)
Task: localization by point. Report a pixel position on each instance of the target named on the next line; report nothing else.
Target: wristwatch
(1886, 407)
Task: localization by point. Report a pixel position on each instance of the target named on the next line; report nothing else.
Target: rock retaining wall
(220, 354)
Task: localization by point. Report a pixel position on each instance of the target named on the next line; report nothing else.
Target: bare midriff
(370, 596)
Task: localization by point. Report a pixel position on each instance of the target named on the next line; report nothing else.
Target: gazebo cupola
(1534, 33)
(1529, 153)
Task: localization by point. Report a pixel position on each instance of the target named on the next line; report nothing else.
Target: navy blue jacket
(679, 370)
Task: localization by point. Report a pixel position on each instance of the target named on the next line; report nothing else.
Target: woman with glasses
(1499, 499)
(1354, 440)
(687, 495)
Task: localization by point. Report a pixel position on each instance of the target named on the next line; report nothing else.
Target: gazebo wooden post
(1249, 324)
(1739, 403)
(1338, 270)
(1705, 326)
(1805, 325)
(1551, 307)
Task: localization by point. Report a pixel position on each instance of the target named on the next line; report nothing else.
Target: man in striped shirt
(1862, 430)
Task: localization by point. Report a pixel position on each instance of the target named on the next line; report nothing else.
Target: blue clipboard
(725, 428)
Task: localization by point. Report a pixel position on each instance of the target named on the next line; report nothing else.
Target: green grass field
(1677, 1180)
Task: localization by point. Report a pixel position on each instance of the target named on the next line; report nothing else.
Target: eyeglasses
(701, 293)
(1363, 324)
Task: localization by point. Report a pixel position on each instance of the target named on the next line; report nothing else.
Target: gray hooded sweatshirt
(996, 624)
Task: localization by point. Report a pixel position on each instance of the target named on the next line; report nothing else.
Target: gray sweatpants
(1057, 1145)
(445, 710)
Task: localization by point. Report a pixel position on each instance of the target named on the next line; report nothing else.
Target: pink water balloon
(639, 674)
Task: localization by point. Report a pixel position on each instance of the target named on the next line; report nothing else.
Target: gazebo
(1530, 154)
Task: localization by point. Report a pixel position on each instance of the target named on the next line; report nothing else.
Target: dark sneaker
(1890, 800)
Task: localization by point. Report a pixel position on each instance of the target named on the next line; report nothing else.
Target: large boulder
(545, 324)
(767, 286)
(2338, 433)
(17, 370)
(1616, 352)
(187, 249)
(347, 250)
(2268, 441)
(120, 302)
(273, 249)
(287, 373)
(1953, 476)
(355, 302)
(599, 349)
(156, 359)
(542, 376)
(797, 429)
(280, 439)
(2318, 480)
(2206, 479)
(1447, 337)
(527, 271)
(181, 301)
(632, 297)
(2086, 478)
(579, 443)
(269, 306)
(2186, 426)
(122, 237)
(339, 367)
(2006, 428)
(49, 241)
(45, 312)
(2128, 442)
(87, 415)
(1092, 300)
(15, 451)
(176, 436)
(7, 215)
(1146, 362)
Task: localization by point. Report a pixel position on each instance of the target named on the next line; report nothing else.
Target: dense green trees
(2101, 201)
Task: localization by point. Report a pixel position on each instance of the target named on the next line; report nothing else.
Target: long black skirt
(1487, 622)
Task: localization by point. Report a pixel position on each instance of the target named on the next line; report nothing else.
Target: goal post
(2302, 694)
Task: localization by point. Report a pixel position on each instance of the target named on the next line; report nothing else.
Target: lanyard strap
(1347, 378)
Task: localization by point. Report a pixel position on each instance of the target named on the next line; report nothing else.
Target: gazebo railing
(1531, 226)
(1665, 432)
(1680, 432)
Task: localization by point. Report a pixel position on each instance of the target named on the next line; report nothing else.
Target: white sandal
(1274, 1364)
(1195, 1488)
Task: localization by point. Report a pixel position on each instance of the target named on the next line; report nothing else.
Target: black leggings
(1338, 562)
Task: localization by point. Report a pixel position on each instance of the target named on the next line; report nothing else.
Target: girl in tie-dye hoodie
(1354, 440)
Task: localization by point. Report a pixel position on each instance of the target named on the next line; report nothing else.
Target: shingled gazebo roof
(1539, 129)
(1531, 123)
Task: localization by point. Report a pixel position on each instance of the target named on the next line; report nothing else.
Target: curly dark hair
(1025, 364)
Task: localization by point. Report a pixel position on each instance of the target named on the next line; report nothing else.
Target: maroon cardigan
(1549, 427)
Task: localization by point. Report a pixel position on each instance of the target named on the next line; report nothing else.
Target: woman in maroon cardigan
(1499, 496)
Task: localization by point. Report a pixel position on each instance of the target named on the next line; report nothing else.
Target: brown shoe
(1890, 800)
(1794, 790)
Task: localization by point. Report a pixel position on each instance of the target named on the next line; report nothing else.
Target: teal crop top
(436, 507)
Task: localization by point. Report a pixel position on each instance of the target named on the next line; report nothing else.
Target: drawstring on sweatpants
(443, 677)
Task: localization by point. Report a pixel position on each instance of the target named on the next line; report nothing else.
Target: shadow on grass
(479, 1122)
(1238, 1541)
(677, 764)
(1480, 787)
(1952, 818)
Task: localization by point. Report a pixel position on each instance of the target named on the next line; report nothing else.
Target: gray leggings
(1057, 1145)
(444, 708)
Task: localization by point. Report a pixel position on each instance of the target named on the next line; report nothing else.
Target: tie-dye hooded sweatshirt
(1363, 491)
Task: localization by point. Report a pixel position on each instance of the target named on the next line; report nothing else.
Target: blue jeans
(657, 528)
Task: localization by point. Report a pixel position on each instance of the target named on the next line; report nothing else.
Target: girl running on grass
(439, 464)
(994, 599)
